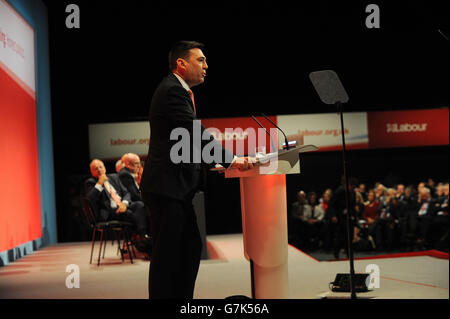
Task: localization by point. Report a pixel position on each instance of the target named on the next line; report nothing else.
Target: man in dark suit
(112, 201)
(128, 175)
(168, 185)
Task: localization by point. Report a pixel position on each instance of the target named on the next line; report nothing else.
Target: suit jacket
(129, 182)
(101, 200)
(171, 107)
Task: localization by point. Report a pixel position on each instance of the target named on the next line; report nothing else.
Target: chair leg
(128, 247)
(134, 251)
(118, 241)
(101, 243)
(118, 234)
(106, 241)
(94, 233)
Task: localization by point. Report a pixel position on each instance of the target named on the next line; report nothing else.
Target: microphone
(285, 138)
(271, 141)
(443, 35)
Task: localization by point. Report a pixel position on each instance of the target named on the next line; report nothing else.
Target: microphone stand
(270, 136)
(347, 201)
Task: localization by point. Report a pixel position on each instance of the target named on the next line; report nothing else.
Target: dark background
(259, 58)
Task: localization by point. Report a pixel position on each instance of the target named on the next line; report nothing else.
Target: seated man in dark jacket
(112, 201)
(128, 174)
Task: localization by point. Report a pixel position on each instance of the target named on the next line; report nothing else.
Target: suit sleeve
(180, 115)
(128, 181)
(92, 193)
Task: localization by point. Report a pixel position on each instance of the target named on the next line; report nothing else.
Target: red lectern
(264, 220)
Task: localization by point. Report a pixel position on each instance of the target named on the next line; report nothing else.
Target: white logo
(73, 19)
(373, 19)
(73, 279)
(406, 127)
(373, 281)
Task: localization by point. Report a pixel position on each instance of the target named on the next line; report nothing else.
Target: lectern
(264, 220)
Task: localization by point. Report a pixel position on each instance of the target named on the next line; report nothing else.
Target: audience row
(382, 218)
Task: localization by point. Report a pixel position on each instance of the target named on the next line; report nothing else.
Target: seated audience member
(359, 235)
(370, 214)
(397, 212)
(431, 185)
(380, 192)
(439, 227)
(362, 190)
(400, 191)
(329, 220)
(384, 225)
(298, 210)
(439, 191)
(423, 217)
(129, 173)
(112, 201)
(407, 224)
(313, 221)
(420, 186)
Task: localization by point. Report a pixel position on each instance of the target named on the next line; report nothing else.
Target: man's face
(195, 67)
(133, 164)
(97, 168)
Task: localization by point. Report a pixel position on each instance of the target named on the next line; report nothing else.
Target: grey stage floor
(43, 275)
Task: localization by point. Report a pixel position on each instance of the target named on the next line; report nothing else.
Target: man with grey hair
(128, 174)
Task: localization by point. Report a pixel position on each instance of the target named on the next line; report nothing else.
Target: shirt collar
(183, 82)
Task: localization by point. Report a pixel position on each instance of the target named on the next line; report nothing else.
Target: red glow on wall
(20, 216)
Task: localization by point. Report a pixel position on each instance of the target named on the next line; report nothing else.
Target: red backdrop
(20, 215)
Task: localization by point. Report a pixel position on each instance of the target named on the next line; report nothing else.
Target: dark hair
(181, 49)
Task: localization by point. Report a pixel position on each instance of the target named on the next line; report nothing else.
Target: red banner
(408, 128)
(20, 217)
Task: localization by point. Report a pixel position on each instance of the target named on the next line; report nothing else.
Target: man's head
(301, 196)
(97, 168)
(187, 60)
(380, 190)
(400, 189)
(445, 189)
(362, 188)
(424, 193)
(420, 186)
(132, 162)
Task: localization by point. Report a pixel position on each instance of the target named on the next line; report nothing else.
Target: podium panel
(264, 224)
(264, 219)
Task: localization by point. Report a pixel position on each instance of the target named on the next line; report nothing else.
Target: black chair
(119, 228)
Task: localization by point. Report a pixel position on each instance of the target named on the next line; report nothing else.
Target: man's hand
(244, 163)
(102, 179)
(122, 208)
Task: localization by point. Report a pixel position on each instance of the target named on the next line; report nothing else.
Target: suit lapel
(175, 80)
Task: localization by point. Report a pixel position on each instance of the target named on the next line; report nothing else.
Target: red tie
(113, 194)
(191, 94)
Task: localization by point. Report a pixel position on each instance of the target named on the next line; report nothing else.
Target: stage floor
(42, 274)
